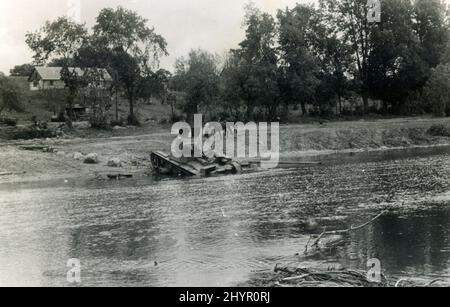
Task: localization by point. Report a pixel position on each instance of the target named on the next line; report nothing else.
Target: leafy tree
(409, 41)
(62, 62)
(58, 39)
(432, 28)
(9, 96)
(446, 54)
(198, 78)
(301, 66)
(24, 70)
(351, 22)
(154, 85)
(258, 73)
(396, 69)
(233, 79)
(134, 46)
(74, 82)
(437, 90)
(94, 54)
(97, 96)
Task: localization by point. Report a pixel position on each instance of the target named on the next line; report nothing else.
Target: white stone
(78, 156)
(91, 158)
(115, 162)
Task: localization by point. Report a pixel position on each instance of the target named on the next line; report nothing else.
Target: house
(46, 78)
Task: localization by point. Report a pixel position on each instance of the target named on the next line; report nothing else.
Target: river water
(220, 231)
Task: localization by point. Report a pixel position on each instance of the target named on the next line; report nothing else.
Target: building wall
(36, 85)
(46, 85)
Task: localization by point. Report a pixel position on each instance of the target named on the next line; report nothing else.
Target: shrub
(10, 122)
(99, 121)
(439, 130)
(30, 133)
(437, 90)
(177, 118)
(133, 121)
(163, 121)
(119, 123)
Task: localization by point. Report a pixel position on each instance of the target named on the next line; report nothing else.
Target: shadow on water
(218, 231)
(412, 245)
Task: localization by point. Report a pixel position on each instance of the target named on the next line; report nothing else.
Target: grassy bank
(365, 135)
(133, 145)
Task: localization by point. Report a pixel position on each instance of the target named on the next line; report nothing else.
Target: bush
(133, 121)
(177, 118)
(99, 122)
(437, 90)
(163, 121)
(119, 123)
(30, 133)
(10, 122)
(9, 96)
(439, 130)
(60, 118)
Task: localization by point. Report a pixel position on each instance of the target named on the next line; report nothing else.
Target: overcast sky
(215, 25)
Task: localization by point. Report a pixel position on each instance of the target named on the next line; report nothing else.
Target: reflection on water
(216, 231)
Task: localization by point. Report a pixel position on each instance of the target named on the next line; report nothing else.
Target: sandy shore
(17, 165)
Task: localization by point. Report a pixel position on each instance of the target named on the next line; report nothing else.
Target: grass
(439, 130)
(43, 106)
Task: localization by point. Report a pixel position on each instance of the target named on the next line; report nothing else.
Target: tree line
(121, 41)
(318, 57)
(315, 58)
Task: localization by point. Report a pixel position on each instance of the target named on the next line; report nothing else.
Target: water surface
(218, 231)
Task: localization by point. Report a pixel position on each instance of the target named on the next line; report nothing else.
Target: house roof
(54, 73)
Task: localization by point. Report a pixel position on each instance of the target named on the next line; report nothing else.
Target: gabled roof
(54, 73)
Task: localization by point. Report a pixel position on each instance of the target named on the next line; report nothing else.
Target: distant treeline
(319, 59)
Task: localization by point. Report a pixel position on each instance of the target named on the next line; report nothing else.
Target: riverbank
(131, 146)
(227, 231)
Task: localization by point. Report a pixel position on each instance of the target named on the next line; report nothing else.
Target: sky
(215, 25)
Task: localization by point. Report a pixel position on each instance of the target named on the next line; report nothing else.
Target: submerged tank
(165, 164)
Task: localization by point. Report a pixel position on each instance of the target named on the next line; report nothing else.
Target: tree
(352, 24)
(62, 62)
(24, 70)
(410, 40)
(198, 78)
(134, 46)
(258, 63)
(437, 90)
(74, 81)
(232, 83)
(395, 68)
(300, 65)
(155, 85)
(60, 38)
(94, 54)
(98, 97)
(9, 96)
(446, 55)
(432, 28)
